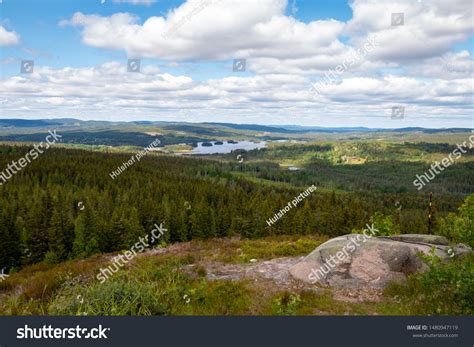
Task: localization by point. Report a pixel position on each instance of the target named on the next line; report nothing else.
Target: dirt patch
(357, 295)
(275, 269)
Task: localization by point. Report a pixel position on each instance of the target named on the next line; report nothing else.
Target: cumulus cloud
(8, 38)
(430, 28)
(109, 92)
(212, 29)
(225, 29)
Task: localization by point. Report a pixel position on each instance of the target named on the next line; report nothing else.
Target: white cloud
(225, 29)
(212, 29)
(8, 38)
(109, 92)
(430, 29)
(448, 66)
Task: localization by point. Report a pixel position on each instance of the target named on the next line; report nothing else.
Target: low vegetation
(445, 289)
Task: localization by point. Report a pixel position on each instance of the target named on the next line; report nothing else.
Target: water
(226, 147)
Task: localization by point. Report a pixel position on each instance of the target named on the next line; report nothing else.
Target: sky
(371, 63)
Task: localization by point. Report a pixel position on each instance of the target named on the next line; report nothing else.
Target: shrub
(447, 288)
(286, 304)
(460, 227)
(113, 297)
(383, 224)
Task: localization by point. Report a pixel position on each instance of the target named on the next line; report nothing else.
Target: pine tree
(9, 242)
(85, 241)
(36, 233)
(59, 233)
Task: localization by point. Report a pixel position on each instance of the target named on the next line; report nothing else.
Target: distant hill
(308, 129)
(207, 128)
(256, 127)
(26, 123)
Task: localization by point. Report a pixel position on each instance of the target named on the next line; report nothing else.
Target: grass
(241, 251)
(310, 303)
(29, 291)
(274, 247)
(154, 287)
(175, 284)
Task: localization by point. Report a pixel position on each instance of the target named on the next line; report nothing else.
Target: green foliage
(114, 297)
(390, 168)
(158, 288)
(85, 242)
(286, 304)
(460, 227)
(51, 258)
(274, 248)
(384, 225)
(201, 271)
(447, 288)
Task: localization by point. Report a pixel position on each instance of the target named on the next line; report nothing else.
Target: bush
(383, 224)
(447, 288)
(114, 297)
(460, 227)
(286, 304)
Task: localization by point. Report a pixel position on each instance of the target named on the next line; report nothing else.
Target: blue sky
(38, 26)
(80, 51)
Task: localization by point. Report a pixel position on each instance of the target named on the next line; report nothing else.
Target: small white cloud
(9, 60)
(8, 38)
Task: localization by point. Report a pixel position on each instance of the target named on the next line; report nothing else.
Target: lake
(226, 147)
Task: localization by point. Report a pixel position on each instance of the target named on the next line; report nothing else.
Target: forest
(65, 205)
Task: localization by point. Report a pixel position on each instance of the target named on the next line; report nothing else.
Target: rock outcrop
(356, 261)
